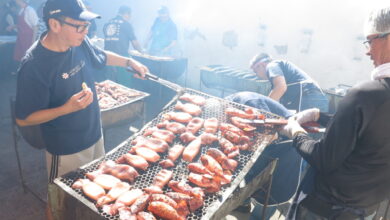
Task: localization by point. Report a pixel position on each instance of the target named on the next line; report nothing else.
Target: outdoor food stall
(187, 163)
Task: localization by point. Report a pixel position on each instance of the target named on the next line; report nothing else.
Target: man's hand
(138, 67)
(308, 115)
(291, 128)
(79, 101)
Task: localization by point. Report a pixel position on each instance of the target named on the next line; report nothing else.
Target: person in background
(118, 34)
(56, 87)
(27, 26)
(8, 23)
(41, 23)
(163, 34)
(291, 86)
(350, 165)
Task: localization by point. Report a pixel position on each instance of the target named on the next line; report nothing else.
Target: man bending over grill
(291, 86)
(350, 164)
(50, 91)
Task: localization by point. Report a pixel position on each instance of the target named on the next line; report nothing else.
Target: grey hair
(378, 22)
(263, 57)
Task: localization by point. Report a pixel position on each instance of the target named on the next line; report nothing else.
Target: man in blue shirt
(163, 34)
(291, 86)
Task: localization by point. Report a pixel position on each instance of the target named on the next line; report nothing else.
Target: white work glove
(291, 128)
(308, 115)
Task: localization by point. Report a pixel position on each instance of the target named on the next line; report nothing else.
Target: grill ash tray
(214, 107)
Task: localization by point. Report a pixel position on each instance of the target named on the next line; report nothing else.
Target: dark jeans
(305, 214)
(287, 171)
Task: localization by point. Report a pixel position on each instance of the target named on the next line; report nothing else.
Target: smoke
(324, 38)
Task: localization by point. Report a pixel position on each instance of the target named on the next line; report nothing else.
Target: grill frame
(212, 202)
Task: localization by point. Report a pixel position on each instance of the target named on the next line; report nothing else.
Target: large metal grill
(214, 107)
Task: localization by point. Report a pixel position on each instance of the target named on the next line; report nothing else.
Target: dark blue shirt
(47, 79)
(293, 76)
(117, 36)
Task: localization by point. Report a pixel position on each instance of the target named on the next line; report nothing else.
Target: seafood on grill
(196, 193)
(145, 216)
(195, 125)
(192, 150)
(163, 198)
(241, 141)
(167, 163)
(211, 125)
(147, 154)
(211, 183)
(104, 180)
(221, 158)
(140, 204)
(157, 145)
(198, 168)
(237, 121)
(229, 148)
(187, 137)
(121, 171)
(189, 108)
(125, 199)
(111, 94)
(159, 181)
(113, 194)
(194, 99)
(90, 189)
(134, 160)
(211, 164)
(208, 138)
(173, 154)
(182, 117)
(163, 210)
(175, 127)
(160, 134)
(225, 127)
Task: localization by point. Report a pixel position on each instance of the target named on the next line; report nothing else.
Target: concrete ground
(20, 205)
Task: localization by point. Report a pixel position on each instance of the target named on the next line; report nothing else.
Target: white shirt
(381, 71)
(30, 16)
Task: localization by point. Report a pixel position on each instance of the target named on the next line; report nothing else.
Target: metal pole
(274, 163)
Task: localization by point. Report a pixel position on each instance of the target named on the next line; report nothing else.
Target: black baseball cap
(69, 8)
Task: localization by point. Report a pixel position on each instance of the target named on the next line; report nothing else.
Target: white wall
(336, 27)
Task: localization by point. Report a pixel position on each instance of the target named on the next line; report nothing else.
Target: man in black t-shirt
(118, 32)
(349, 175)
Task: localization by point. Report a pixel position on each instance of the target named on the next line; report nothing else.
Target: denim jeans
(315, 99)
(305, 214)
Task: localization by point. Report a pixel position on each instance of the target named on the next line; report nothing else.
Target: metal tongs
(178, 89)
(310, 127)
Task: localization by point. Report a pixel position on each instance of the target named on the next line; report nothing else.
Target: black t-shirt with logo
(47, 79)
(117, 36)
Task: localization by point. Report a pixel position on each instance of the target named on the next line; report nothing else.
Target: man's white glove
(291, 128)
(308, 115)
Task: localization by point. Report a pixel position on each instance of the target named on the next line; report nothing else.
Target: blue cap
(69, 8)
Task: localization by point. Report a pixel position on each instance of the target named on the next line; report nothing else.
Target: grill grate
(214, 107)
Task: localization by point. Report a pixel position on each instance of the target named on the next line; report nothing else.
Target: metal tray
(124, 112)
